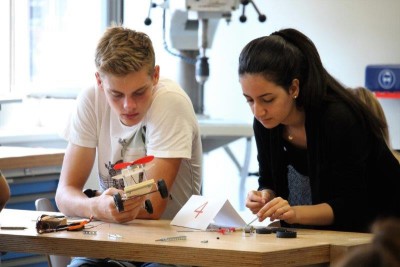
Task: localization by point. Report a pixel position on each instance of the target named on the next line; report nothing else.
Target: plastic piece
(286, 234)
(162, 188)
(118, 202)
(148, 206)
(264, 231)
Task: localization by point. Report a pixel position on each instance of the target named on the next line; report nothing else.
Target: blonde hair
(370, 100)
(121, 51)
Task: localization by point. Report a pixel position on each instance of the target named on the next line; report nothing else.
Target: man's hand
(104, 208)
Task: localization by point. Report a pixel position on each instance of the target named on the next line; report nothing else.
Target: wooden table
(12, 157)
(31, 172)
(138, 242)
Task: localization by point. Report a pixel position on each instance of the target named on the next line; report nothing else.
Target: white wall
(349, 34)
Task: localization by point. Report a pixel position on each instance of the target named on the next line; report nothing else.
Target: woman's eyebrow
(266, 94)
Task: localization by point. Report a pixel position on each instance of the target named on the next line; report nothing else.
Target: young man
(131, 113)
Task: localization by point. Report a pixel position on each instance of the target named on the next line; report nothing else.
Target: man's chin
(129, 123)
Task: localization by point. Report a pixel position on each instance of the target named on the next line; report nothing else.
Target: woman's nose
(258, 110)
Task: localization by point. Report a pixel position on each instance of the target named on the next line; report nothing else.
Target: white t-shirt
(169, 130)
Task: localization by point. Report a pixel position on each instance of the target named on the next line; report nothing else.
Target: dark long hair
(288, 54)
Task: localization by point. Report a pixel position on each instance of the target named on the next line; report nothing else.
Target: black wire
(188, 60)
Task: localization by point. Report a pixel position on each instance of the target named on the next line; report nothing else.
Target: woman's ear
(294, 89)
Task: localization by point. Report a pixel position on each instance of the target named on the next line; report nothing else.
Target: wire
(91, 226)
(188, 60)
(252, 221)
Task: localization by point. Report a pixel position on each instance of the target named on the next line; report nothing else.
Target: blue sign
(383, 78)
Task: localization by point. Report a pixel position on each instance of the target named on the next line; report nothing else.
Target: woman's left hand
(278, 209)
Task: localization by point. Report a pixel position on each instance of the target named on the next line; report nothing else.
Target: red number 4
(200, 209)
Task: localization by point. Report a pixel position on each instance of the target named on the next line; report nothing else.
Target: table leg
(243, 169)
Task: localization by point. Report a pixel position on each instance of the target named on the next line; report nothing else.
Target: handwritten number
(200, 209)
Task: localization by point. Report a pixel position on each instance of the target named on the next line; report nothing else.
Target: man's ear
(156, 74)
(99, 81)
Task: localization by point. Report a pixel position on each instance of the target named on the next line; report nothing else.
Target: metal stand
(243, 169)
(188, 82)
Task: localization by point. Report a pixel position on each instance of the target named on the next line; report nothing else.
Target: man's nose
(129, 103)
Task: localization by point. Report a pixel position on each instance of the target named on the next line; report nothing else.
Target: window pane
(54, 44)
(5, 47)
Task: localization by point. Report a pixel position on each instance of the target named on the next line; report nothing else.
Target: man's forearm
(73, 202)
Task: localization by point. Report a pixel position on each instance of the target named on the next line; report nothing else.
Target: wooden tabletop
(28, 157)
(137, 241)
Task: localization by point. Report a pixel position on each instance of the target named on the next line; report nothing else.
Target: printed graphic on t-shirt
(127, 150)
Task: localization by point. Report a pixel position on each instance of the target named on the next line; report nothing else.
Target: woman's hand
(257, 199)
(277, 209)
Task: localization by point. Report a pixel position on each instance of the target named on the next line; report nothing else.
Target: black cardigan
(349, 168)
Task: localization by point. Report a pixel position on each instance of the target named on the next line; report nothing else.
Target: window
(5, 47)
(50, 45)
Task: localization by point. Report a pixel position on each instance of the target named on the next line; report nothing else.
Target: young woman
(323, 161)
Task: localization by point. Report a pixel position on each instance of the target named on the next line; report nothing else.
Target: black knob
(147, 21)
(262, 18)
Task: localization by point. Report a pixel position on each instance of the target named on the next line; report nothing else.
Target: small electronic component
(248, 230)
(85, 232)
(114, 236)
(172, 238)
